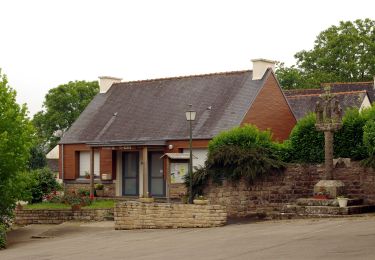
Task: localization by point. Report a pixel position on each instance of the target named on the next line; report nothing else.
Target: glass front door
(156, 182)
(130, 173)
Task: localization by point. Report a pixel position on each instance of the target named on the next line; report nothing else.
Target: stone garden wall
(58, 216)
(109, 188)
(296, 182)
(137, 215)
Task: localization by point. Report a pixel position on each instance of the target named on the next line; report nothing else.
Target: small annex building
(350, 95)
(131, 134)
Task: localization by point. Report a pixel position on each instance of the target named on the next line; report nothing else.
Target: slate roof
(302, 104)
(153, 111)
(369, 87)
(337, 87)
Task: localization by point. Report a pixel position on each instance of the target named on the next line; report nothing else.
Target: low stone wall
(137, 215)
(297, 181)
(109, 188)
(58, 216)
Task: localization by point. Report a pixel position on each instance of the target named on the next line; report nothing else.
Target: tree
(344, 53)
(37, 158)
(16, 138)
(62, 106)
(290, 77)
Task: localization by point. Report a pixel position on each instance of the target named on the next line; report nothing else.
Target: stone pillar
(145, 170)
(328, 148)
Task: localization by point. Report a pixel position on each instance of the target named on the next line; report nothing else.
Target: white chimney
(106, 82)
(260, 66)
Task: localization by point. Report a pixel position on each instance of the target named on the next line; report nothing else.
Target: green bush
(306, 144)
(247, 136)
(3, 237)
(44, 182)
(243, 152)
(234, 163)
(76, 199)
(369, 143)
(348, 141)
(369, 137)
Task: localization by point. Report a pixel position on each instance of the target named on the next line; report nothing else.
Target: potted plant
(76, 201)
(99, 189)
(200, 200)
(87, 175)
(343, 201)
(146, 199)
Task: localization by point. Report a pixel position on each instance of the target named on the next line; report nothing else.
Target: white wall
(365, 103)
(199, 156)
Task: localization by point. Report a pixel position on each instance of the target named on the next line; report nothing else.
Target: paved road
(349, 238)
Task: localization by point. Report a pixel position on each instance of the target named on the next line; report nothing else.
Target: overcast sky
(47, 43)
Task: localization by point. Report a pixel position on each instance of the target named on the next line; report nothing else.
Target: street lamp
(190, 116)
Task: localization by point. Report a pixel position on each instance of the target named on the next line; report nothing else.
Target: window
(84, 163)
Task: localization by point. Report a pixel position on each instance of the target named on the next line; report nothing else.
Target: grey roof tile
(155, 109)
(304, 104)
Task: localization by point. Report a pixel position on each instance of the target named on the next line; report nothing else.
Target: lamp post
(190, 116)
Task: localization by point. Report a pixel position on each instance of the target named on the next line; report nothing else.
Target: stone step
(327, 210)
(326, 202)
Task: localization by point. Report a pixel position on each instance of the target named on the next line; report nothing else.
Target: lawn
(97, 204)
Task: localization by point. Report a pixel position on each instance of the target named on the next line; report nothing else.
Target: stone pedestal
(331, 188)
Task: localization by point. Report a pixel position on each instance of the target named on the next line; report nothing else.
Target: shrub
(53, 197)
(83, 192)
(76, 199)
(348, 141)
(243, 152)
(247, 136)
(44, 182)
(369, 143)
(3, 236)
(234, 163)
(306, 144)
(99, 186)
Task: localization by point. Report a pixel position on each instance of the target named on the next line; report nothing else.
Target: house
(52, 158)
(350, 95)
(134, 135)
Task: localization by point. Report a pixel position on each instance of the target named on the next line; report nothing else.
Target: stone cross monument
(328, 120)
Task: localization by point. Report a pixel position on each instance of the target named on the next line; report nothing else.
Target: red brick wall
(106, 161)
(270, 110)
(71, 160)
(296, 182)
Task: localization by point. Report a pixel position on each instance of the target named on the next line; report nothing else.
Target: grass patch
(97, 204)
(101, 204)
(46, 205)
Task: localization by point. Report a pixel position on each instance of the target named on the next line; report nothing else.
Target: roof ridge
(185, 76)
(346, 83)
(335, 93)
(300, 89)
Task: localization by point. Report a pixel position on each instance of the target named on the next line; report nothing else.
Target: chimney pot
(260, 66)
(105, 83)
